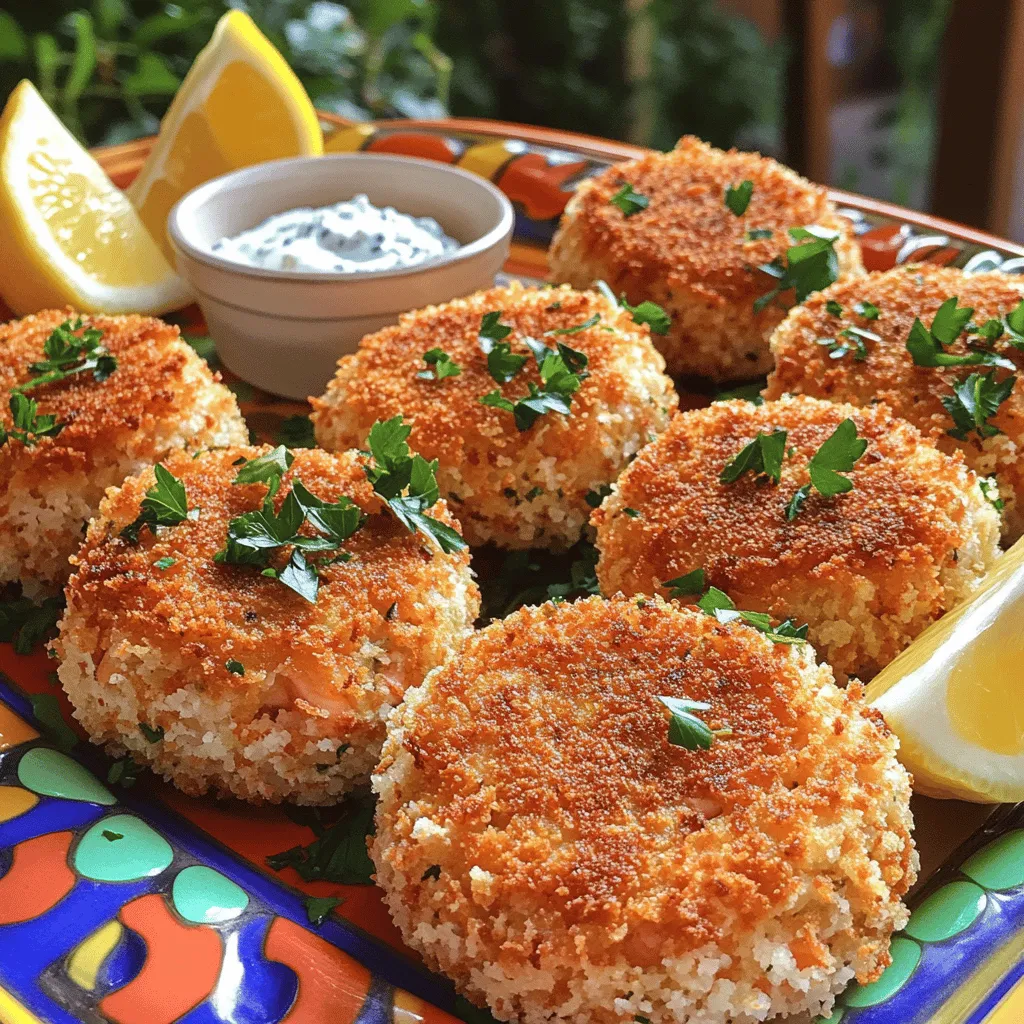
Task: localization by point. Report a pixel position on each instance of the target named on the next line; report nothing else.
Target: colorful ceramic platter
(189, 922)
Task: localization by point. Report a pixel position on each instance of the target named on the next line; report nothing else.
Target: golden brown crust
(889, 373)
(488, 466)
(542, 748)
(209, 613)
(898, 528)
(687, 236)
(103, 420)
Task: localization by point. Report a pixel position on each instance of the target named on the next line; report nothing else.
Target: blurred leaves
(110, 67)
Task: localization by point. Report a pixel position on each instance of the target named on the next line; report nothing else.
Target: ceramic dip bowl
(284, 330)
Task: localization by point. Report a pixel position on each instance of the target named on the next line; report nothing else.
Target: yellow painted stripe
(87, 959)
(1011, 1009)
(960, 1004)
(14, 729)
(348, 140)
(12, 1012)
(486, 158)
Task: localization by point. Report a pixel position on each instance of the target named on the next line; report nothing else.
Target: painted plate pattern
(126, 902)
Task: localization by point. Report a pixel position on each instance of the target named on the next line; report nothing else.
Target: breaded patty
(161, 397)
(543, 844)
(868, 570)
(259, 693)
(888, 373)
(691, 254)
(515, 488)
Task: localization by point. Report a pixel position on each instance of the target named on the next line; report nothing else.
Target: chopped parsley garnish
(927, 346)
(990, 491)
(755, 234)
(685, 729)
(690, 584)
(646, 312)
(1013, 322)
(253, 536)
(588, 323)
(718, 603)
(491, 328)
(442, 364)
(854, 338)
(562, 371)
(396, 470)
(69, 353)
(164, 563)
(165, 504)
(974, 401)
(26, 624)
(338, 853)
(153, 734)
(594, 498)
(631, 512)
(111, 836)
(235, 667)
(629, 201)
(318, 907)
(28, 426)
(833, 308)
(649, 313)
(763, 455)
(991, 330)
(737, 197)
(836, 456)
(433, 872)
(296, 432)
(124, 772)
(46, 709)
(809, 266)
(502, 363)
(867, 310)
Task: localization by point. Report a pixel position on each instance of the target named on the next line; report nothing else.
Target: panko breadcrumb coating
(148, 644)
(541, 842)
(691, 254)
(868, 570)
(888, 373)
(161, 397)
(516, 489)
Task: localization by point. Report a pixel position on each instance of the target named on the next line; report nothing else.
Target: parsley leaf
(111, 836)
(165, 504)
(28, 426)
(974, 401)
(502, 363)
(685, 729)
(123, 772)
(691, 583)
(737, 197)
(46, 710)
(338, 853)
(69, 353)
(164, 563)
(26, 624)
(836, 456)
(763, 455)
(442, 364)
(396, 470)
(867, 310)
(1014, 324)
(649, 313)
(717, 603)
(629, 201)
(588, 323)
(298, 575)
(754, 234)
(234, 667)
(833, 308)
(809, 266)
(749, 392)
(319, 907)
(927, 345)
(990, 491)
(153, 734)
(266, 469)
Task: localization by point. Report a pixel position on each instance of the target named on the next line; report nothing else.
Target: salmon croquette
(867, 569)
(160, 397)
(513, 480)
(687, 250)
(222, 679)
(543, 842)
(809, 361)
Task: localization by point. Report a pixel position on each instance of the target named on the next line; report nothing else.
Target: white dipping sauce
(350, 236)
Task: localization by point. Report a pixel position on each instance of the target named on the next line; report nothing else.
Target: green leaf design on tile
(51, 773)
(947, 912)
(906, 954)
(1000, 865)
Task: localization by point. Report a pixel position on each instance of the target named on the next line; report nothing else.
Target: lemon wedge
(70, 237)
(955, 697)
(239, 104)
